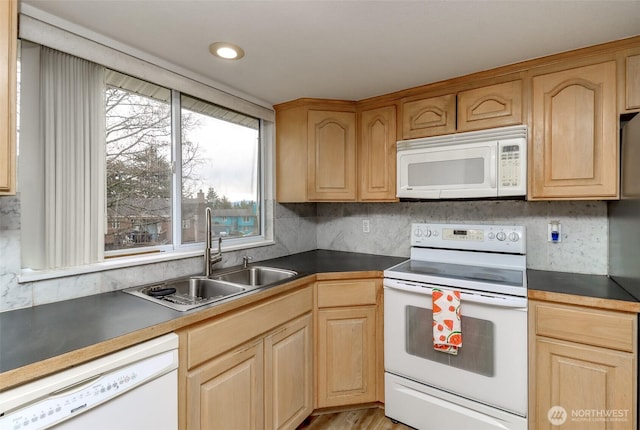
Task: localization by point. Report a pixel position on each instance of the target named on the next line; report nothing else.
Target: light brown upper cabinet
(426, 117)
(8, 46)
(377, 154)
(316, 151)
(574, 134)
(330, 150)
(633, 82)
(476, 109)
(331, 157)
(491, 106)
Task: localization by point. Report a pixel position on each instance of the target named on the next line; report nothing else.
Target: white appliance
(486, 163)
(136, 388)
(484, 386)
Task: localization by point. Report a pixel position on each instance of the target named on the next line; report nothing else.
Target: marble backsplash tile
(301, 227)
(12, 294)
(584, 228)
(294, 229)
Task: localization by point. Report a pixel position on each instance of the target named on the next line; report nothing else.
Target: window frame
(125, 63)
(177, 244)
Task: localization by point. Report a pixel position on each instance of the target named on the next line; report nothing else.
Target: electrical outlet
(366, 227)
(554, 232)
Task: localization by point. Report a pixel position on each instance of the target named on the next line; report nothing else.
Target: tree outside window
(219, 150)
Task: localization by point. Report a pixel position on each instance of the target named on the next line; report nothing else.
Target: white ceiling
(349, 49)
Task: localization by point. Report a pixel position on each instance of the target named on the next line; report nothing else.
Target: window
(139, 172)
(220, 169)
(145, 160)
(219, 153)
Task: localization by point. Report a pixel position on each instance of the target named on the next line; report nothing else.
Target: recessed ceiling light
(226, 50)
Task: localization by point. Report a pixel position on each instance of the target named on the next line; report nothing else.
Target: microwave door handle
(493, 166)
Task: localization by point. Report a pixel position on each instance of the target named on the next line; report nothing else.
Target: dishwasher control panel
(70, 401)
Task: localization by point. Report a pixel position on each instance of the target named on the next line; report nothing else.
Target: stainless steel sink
(189, 293)
(256, 276)
(186, 294)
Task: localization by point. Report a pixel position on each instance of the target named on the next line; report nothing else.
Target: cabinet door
(491, 106)
(288, 367)
(633, 82)
(575, 134)
(346, 367)
(331, 167)
(291, 154)
(582, 379)
(8, 42)
(377, 154)
(428, 117)
(227, 392)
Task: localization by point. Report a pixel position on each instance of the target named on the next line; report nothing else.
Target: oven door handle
(487, 298)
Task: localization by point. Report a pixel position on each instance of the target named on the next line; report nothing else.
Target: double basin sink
(189, 293)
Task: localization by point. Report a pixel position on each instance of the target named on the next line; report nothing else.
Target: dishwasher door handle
(78, 386)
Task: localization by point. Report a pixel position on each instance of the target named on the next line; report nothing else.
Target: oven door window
(475, 356)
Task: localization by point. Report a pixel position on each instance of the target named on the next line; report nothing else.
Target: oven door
(491, 365)
(450, 171)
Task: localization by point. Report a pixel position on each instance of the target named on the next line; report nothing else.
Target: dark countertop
(595, 290)
(323, 261)
(33, 335)
(38, 333)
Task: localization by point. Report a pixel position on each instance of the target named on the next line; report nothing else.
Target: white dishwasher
(136, 388)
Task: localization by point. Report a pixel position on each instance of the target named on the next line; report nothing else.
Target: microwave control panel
(512, 166)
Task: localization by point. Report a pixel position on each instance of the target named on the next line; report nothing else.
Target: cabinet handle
(245, 349)
(282, 330)
(493, 167)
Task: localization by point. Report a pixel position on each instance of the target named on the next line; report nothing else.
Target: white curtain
(72, 116)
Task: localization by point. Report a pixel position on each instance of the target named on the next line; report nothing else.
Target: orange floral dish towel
(447, 334)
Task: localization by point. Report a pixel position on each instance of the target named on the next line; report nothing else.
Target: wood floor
(361, 419)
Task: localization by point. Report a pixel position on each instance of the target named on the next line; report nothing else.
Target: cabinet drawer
(221, 335)
(347, 293)
(614, 330)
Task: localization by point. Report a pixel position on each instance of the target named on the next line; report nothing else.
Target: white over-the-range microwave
(486, 163)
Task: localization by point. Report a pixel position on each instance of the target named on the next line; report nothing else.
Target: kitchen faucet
(209, 258)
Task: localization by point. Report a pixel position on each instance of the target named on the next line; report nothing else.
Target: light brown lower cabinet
(583, 370)
(348, 363)
(227, 393)
(249, 369)
(289, 375)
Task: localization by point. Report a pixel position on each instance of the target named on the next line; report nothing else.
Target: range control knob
(427, 233)
(417, 233)
(492, 235)
(514, 237)
(501, 236)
